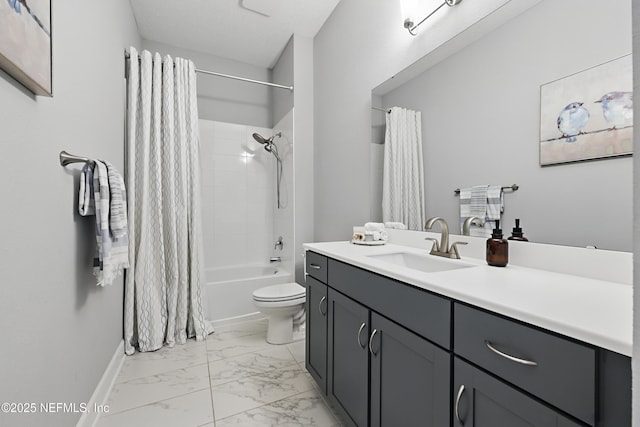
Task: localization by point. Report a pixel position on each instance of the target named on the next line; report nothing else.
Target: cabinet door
(316, 331)
(481, 400)
(348, 359)
(410, 378)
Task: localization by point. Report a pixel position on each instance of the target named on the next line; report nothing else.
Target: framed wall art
(25, 43)
(588, 115)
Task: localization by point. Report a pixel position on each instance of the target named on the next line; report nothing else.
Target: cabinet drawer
(316, 266)
(552, 368)
(420, 311)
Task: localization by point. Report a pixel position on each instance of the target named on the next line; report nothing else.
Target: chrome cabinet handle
(457, 406)
(314, 266)
(360, 332)
(320, 306)
(373, 334)
(508, 356)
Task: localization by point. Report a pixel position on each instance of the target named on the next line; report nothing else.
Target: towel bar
(66, 159)
(513, 187)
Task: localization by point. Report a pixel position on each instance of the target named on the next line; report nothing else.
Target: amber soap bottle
(497, 248)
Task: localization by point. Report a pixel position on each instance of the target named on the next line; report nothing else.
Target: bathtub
(228, 290)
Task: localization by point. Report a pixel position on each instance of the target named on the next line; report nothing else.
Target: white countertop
(595, 311)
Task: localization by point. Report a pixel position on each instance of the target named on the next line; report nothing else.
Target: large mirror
(481, 119)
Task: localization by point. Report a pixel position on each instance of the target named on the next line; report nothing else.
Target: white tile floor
(235, 378)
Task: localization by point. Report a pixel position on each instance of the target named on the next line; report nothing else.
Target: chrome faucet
(279, 243)
(275, 259)
(442, 249)
(466, 226)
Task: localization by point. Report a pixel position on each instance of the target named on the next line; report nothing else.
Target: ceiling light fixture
(409, 24)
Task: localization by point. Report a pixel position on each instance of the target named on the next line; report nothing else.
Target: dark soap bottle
(516, 234)
(497, 248)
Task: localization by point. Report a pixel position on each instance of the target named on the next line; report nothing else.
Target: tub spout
(275, 259)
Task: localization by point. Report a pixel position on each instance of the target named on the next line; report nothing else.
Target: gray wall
(636, 218)
(282, 74)
(223, 99)
(481, 108)
(59, 330)
(303, 147)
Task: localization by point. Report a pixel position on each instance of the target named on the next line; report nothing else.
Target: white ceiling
(227, 28)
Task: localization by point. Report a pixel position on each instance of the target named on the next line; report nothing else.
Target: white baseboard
(237, 319)
(101, 393)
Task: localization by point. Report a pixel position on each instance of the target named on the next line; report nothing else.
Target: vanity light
(409, 24)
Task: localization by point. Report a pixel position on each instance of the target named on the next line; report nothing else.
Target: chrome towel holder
(66, 159)
(513, 187)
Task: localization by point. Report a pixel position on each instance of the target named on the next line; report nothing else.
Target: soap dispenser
(497, 248)
(516, 234)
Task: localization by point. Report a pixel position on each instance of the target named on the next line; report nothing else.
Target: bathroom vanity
(464, 344)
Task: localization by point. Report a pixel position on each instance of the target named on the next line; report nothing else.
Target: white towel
(374, 226)
(395, 225)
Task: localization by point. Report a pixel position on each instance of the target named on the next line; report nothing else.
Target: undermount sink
(424, 263)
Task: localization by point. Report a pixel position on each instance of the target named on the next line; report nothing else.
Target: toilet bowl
(280, 302)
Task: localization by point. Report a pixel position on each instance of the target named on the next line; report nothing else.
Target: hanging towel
(86, 204)
(473, 202)
(495, 205)
(485, 202)
(103, 194)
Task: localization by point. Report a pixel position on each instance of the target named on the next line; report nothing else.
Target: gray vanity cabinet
(316, 311)
(410, 378)
(391, 354)
(316, 331)
(481, 400)
(348, 358)
(381, 371)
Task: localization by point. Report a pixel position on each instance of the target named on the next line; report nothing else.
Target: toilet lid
(281, 292)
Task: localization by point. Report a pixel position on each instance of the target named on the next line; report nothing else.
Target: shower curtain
(403, 171)
(163, 296)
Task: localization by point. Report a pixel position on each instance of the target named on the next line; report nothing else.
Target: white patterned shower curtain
(163, 296)
(403, 173)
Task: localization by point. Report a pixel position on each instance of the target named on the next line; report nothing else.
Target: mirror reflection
(480, 110)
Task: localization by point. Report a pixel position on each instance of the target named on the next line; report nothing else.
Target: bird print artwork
(617, 108)
(17, 6)
(571, 120)
(588, 115)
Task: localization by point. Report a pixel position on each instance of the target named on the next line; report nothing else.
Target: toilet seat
(279, 293)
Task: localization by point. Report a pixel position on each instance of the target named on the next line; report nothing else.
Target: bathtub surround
(241, 219)
(163, 289)
(228, 289)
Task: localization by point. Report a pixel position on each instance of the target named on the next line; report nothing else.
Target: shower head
(262, 140)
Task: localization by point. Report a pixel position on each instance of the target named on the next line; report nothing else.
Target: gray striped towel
(102, 192)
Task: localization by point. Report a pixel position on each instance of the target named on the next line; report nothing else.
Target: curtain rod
(229, 76)
(386, 110)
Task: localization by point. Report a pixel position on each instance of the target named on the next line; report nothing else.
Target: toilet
(281, 303)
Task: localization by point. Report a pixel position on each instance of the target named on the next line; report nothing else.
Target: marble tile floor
(234, 378)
